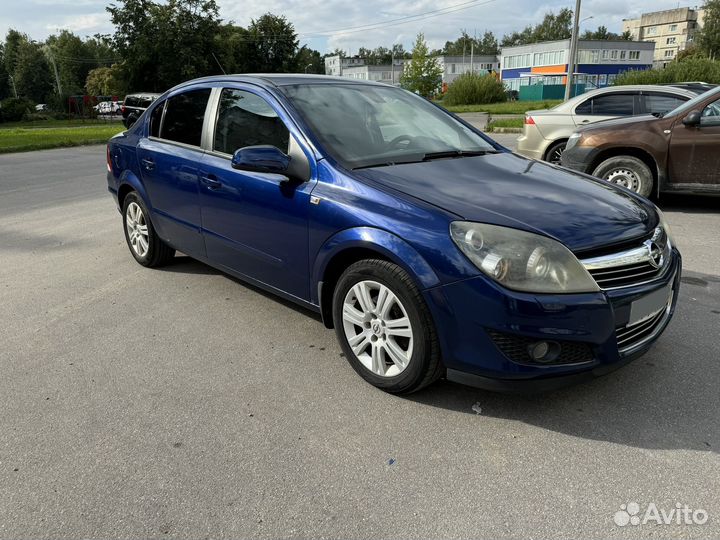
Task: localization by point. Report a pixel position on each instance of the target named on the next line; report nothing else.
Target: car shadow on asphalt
(185, 264)
(660, 401)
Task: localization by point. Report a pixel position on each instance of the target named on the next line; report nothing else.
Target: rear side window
(661, 103)
(130, 101)
(184, 115)
(155, 119)
(245, 119)
(608, 105)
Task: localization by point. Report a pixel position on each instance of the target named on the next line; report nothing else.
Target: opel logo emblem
(655, 254)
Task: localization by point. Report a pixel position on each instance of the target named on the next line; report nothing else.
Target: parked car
(695, 86)
(134, 105)
(545, 132)
(679, 151)
(41, 107)
(107, 107)
(431, 249)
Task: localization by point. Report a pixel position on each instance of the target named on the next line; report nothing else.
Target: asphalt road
(182, 403)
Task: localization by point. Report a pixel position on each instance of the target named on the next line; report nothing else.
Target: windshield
(694, 103)
(367, 125)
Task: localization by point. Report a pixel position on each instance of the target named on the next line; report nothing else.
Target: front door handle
(211, 181)
(149, 164)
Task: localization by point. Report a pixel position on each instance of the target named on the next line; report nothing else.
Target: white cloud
(82, 24)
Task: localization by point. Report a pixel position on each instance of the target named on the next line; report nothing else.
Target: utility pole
(55, 69)
(472, 51)
(392, 63)
(573, 51)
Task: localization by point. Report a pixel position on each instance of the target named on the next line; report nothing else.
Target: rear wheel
(385, 328)
(555, 152)
(627, 171)
(144, 243)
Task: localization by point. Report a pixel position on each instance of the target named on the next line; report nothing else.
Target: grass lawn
(26, 136)
(509, 107)
(505, 123)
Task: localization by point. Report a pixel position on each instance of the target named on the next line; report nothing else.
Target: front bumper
(468, 312)
(579, 158)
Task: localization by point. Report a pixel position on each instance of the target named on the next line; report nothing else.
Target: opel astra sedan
(432, 250)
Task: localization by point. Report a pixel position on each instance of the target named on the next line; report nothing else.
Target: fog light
(544, 351)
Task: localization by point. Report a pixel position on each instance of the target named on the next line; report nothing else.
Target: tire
(554, 153)
(627, 171)
(395, 343)
(142, 240)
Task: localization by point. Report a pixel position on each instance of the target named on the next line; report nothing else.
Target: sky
(349, 25)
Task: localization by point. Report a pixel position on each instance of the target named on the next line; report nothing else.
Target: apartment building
(335, 65)
(454, 66)
(389, 74)
(598, 62)
(671, 30)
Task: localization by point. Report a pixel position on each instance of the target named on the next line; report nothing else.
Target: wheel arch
(129, 182)
(352, 245)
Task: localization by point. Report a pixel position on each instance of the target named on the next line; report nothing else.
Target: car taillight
(122, 109)
(529, 121)
(109, 160)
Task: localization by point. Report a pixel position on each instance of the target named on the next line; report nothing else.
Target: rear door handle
(149, 164)
(211, 181)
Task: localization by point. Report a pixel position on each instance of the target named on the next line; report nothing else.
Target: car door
(694, 153)
(606, 106)
(254, 223)
(169, 159)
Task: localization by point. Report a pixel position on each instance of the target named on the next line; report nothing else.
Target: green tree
(309, 61)
(709, 38)
(70, 56)
(13, 41)
(553, 27)
(105, 81)
(273, 44)
(33, 79)
(163, 44)
(423, 73)
(4, 75)
(485, 45)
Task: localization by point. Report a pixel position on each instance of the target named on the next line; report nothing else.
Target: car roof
(278, 79)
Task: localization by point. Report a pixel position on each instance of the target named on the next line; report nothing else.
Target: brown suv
(678, 151)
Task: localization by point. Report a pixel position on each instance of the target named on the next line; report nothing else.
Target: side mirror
(692, 119)
(262, 158)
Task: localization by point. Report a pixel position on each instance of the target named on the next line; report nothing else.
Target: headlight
(521, 260)
(573, 140)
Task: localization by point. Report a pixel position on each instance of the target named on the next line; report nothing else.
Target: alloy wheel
(137, 229)
(377, 328)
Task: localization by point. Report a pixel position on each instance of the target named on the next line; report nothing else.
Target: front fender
(390, 246)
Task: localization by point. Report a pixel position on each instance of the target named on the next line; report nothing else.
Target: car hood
(506, 189)
(624, 121)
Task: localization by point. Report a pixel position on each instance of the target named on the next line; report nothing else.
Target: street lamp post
(573, 51)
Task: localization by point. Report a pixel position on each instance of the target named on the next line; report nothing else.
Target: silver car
(545, 132)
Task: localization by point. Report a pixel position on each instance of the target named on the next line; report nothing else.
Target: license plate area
(650, 305)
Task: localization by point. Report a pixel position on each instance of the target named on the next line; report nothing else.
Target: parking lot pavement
(183, 403)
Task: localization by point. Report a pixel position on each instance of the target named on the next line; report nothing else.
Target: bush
(474, 89)
(694, 68)
(13, 109)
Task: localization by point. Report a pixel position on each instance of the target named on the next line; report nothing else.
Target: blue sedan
(432, 250)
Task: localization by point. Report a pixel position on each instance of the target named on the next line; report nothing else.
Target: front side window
(184, 116)
(246, 119)
(711, 115)
(364, 126)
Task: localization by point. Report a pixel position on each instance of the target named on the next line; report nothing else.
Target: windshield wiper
(456, 154)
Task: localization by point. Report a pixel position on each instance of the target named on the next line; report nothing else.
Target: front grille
(516, 347)
(633, 266)
(629, 337)
(622, 276)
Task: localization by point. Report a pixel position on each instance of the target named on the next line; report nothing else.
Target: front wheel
(385, 328)
(627, 171)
